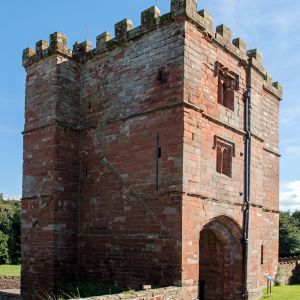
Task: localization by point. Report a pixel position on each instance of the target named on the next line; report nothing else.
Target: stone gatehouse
(138, 159)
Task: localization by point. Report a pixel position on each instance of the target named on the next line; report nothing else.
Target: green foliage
(10, 231)
(4, 256)
(289, 234)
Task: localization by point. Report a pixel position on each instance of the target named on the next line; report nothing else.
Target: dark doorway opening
(221, 260)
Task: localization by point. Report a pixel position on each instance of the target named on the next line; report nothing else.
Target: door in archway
(211, 266)
(220, 260)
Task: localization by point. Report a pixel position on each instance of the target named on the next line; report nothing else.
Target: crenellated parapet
(222, 37)
(124, 32)
(57, 44)
(274, 88)
(256, 62)
(150, 20)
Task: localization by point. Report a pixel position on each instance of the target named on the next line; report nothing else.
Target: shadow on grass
(82, 290)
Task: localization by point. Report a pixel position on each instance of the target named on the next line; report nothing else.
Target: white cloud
(10, 197)
(290, 196)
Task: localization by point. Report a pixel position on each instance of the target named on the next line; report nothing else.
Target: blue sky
(271, 25)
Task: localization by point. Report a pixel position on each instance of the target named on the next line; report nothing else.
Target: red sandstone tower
(138, 159)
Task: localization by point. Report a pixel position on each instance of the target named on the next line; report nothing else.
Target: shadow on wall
(295, 278)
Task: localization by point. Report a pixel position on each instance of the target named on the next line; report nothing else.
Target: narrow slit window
(158, 157)
(262, 255)
(163, 75)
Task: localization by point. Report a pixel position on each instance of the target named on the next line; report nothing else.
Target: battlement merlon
(183, 7)
(80, 50)
(102, 39)
(149, 17)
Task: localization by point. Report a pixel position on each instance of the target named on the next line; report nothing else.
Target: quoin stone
(151, 159)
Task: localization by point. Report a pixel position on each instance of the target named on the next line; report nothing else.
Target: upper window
(224, 151)
(228, 83)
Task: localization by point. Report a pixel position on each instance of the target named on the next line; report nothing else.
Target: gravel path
(9, 283)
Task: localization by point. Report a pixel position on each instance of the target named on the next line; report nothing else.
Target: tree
(4, 256)
(10, 231)
(289, 234)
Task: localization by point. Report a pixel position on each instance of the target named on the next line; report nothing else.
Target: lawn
(284, 292)
(10, 270)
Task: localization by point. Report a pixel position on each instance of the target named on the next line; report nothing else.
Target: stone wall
(10, 295)
(169, 293)
(98, 202)
(126, 109)
(289, 270)
(209, 194)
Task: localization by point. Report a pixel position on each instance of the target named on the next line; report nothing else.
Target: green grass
(10, 270)
(284, 292)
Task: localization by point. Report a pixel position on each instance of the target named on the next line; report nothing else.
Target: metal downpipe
(247, 128)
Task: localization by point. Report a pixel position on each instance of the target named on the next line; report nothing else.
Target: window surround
(228, 83)
(225, 151)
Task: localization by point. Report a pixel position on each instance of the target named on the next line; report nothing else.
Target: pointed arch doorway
(221, 260)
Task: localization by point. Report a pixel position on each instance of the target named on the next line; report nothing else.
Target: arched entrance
(221, 260)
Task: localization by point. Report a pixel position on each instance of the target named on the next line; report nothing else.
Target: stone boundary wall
(289, 270)
(169, 293)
